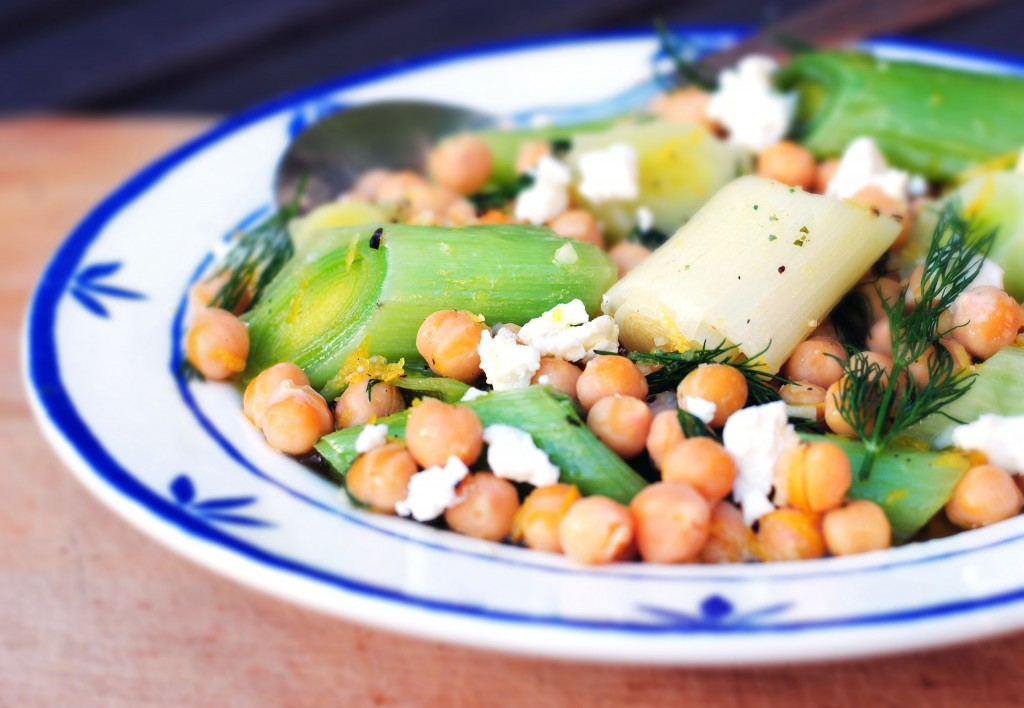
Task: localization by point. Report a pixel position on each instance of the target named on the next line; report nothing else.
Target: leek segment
(927, 119)
(340, 291)
(910, 485)
(680, 168)
(998, 389)
(993, 201)
(759, 267)
(551, 420)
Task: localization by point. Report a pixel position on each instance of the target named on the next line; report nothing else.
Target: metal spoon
(332, 152)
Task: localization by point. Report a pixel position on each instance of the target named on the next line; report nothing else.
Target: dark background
(222, 55)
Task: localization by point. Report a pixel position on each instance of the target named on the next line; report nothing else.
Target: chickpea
(202, 293)
(488, 505)
(380, 477)
(607, 375)
(886, 363)
(560, 374)
(460, 212)
(430, 198)
(664, 434)
(801, 394)
(875, 293)
(436, 431)
(536, 523)
(833, 418)
(817, 361)
(730, 540)
(217, 344)
(672, 522)
(396, 186)
(622, 423)
(826, 329)
(986, 494)
(878, 200)
(913, 284)
(261, 388)
(879, 338)
(985, 319)
(356, 407)
(628, 255)
(789, 163)
(721, 384)
(826, 171)
(295, 418)
(449, 340)
(961, 359)
(597, 530)
(702, 463)
(858, 527)
(579, 225)
(688, 106)
(368, 185)
(919, 368)
(494, 216)
(461, 163)
(789, 534)
(530, 153)
(816, 476)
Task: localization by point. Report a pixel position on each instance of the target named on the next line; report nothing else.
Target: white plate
(179, 461)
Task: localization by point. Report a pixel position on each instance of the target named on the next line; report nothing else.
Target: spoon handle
(838, 22)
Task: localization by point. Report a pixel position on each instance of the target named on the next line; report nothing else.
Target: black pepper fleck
(377, 236)
(782, 269)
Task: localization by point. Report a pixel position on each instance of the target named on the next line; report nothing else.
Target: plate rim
(61, 266)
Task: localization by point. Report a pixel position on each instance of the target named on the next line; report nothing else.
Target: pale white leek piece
(759, 266)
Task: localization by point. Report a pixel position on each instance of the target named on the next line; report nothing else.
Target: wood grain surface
(93, 613)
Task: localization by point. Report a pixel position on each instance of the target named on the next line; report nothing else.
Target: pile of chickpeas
(686, 516)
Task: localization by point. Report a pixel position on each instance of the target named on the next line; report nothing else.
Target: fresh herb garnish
(652, 238)
(686, 68)
(878, 404)
(499, 197)
(694, 427)
(676, 365)
(256, 257)
(369, 388)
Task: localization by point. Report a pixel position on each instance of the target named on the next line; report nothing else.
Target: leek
(927, 119)
(757, 268)
(998, 389)
(910, 485)
(548, 417)
(340, 290)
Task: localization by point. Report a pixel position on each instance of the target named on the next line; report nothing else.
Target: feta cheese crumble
(567, 332)
(472, 393)
(566, 255)
(1000, 438)
(371, 437)
(756, 437)
(548, 196)
(512, 455)
(507, 363)
(644, 219)
(610, 174)
(863, 165)
(748, 106)
(700, 407)
(433, 490)
(990, 274)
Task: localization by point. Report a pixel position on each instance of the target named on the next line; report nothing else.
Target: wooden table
(94, 613)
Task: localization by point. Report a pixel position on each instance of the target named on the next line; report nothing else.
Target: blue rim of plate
(53, 400)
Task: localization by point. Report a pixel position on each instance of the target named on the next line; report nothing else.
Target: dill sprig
(694, 427)
(674, 367)
(500, 196)
(686, 68)
(878, 404)
(256, 257)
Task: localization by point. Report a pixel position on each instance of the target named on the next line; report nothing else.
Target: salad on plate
(773, 317)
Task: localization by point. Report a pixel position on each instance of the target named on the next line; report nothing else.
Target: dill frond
(880, 405)
(675, 366)
(686, 68)
(694, 427)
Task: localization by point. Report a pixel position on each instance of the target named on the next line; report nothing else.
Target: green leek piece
(680, 168)
(505, 144)
(341, 290)
(548, 417)
(993, 201)
(998, 389)
(931, 120)
(911, 485)
(448, 390)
